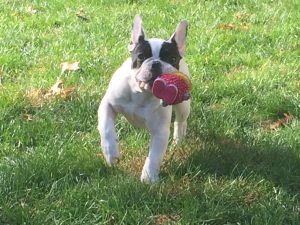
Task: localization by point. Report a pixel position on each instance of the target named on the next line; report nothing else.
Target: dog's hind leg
(182, 112)
(106, 127)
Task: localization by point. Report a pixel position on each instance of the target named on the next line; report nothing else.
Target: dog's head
(153, 57)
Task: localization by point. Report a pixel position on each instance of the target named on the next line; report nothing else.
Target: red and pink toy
(172, 88)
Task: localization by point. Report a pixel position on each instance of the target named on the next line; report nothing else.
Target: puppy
(129, 93)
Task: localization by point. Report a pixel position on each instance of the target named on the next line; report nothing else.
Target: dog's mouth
(147, 85)
(147, 74)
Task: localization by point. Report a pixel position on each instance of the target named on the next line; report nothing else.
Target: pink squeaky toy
(172, 88)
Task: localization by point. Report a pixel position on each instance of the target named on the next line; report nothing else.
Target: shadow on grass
(224, 157)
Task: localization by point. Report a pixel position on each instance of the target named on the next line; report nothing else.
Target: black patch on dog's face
(140, 53)
(169, 53)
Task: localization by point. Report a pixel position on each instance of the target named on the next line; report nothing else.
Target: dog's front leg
(158, 146)
(182, 112)
(106, 127)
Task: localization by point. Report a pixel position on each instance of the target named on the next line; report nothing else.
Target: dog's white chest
(133, 115)
(137, 109)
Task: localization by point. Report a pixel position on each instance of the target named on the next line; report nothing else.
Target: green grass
(232, 169)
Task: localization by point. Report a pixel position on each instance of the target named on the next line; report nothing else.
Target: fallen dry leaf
(245, 27)
(241, 15)
(164, 219)
(66, 66)
(27, 116)
(81, 15)
(232, 26)
(14, 14)
(58, 90)
(36, 97)
(238, 15)
(67, 91)
(288, 117)
(227, 26)
(250, 198)
(31, 10)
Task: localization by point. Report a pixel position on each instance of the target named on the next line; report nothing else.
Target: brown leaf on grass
(233, 26)
(31, 10)
(27, 116)
(66, 66)
(274, 126)
(67, 91)
(241, 15)
(36, 97)
(58, 90)
(245, 27)
(164, 219)
(287, 118)
(227, 26)
(14, 14)
(250, 198)
(81, 15)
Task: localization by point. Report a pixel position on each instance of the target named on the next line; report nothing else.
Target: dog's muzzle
(154, 71)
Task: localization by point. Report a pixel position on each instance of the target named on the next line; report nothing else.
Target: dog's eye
(141, 57)
(173, 59)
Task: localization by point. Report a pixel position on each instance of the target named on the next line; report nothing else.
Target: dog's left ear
(180, 36)
(137, 34)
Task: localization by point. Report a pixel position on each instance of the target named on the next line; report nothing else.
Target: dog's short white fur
(128, 96)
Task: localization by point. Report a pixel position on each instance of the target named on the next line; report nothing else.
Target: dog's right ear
(137, 34)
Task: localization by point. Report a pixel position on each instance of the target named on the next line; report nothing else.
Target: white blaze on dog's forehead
(155, 44)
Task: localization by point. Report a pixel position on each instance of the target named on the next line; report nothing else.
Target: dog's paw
(149, 178)
(149, 173)
(112, 159)
(179, 132)
(177, 141)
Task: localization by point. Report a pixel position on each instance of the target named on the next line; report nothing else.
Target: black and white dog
(129, 93)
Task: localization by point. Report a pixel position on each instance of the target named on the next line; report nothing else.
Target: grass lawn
(240, 163)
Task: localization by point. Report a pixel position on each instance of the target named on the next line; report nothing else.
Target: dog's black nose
(156, 68)
(155, 64)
